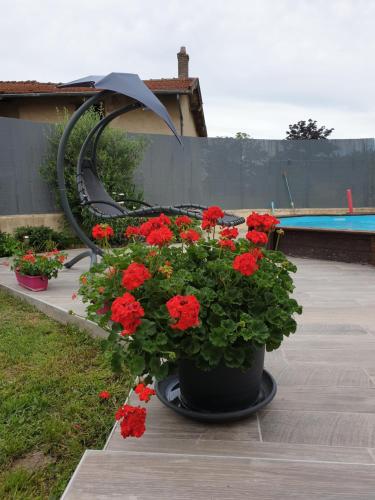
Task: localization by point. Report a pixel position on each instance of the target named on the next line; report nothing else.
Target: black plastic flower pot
(220, 389)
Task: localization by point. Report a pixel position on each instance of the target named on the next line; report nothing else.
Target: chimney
(183, 63)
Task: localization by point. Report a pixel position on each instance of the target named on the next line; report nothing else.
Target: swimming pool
(346, 238)
(335, 222)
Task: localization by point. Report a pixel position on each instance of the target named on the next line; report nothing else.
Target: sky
(262, 64)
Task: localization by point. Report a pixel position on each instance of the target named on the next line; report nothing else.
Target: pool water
(343, 222)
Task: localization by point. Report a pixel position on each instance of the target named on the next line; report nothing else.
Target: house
(41, 102)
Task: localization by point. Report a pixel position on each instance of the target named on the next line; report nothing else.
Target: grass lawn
(50, 412)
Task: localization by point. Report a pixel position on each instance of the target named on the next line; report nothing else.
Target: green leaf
(158, 369)
(234, 357)
(218, 336)
(136, 364)
(211, 353)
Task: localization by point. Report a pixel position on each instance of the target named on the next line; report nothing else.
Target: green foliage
(50, 412)
(117, 158)
(8, 244)
(237, 313)
(309, 130)
(43, 238)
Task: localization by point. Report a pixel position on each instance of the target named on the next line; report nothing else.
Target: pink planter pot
(33, 283)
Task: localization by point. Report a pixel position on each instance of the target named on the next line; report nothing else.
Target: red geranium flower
(104, 395)
(162, 220)
(154, 223)
(227, 244)
(245, 263)
(160, 237)
(183, 221)
(132, 231)
(258, 254)
(135, 275)
(144, 392)
(257, 237)
(184, 309)
(260, 222)
(29, 257)
(211, 216)
(127, 311)
(102, 231)
(133, 420)
(229, 232)
(190, 235)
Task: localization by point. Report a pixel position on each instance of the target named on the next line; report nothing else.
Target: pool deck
(316, 440)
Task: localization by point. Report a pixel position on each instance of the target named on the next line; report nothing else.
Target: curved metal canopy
(130, 85)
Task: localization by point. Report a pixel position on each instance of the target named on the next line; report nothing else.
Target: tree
(118, 156)
(242, 135)
(309, 130)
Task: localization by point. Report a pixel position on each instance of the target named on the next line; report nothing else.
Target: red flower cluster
(211, 216)
(133, 419)
(154, 223)
(29, 257)
(144, 392)
(127, 311)
(183, 221)
(135, 275)
(104, 395)
(160, 237)
(132, 231)
(227, 244)
(184, 309)
(102, 231)
(190, 235)
(245, 263)
(257, 237)
(260, 222)
(229, 232)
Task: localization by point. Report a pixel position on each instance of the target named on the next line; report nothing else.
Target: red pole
(350, 200)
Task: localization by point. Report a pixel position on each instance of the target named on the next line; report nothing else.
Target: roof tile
(34, 87)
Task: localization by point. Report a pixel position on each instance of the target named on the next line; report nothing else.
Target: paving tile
(251, 449)
(161, 477)
(318, 428)
(311, 374)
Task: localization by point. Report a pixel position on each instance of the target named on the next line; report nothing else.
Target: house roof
(173, 85)
(189, 86)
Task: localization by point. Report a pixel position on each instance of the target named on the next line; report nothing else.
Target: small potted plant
(204, 310)
(34, 270)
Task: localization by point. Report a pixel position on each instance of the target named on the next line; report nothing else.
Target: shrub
(117, 158)
(8, 244)
(43, 238)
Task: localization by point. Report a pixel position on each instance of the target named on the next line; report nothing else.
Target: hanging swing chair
(92, 193)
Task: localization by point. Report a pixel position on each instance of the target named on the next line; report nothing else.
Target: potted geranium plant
(206, 308)
(34, 270)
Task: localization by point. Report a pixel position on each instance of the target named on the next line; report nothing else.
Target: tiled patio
(316, 440)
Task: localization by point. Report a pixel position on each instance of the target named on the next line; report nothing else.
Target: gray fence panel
(229, 172)
(22, 146)
(249, 173)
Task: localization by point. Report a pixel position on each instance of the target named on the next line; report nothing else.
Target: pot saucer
(168, 391)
